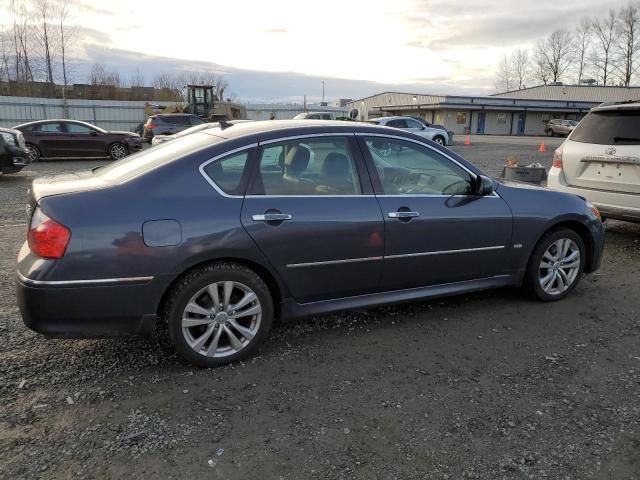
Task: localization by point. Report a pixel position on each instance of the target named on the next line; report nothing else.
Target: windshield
(154, 157)
(609, 128)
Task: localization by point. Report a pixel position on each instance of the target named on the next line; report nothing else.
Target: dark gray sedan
(213, 235)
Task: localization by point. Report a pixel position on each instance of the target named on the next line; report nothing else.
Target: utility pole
(323, 82)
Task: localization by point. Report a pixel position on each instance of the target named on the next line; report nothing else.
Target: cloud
(90, 7)
(275, 30)
(260, 86)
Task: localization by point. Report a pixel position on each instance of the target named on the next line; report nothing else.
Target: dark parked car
(168, 124)
(13, 154)
(75, 139)
(218, 232)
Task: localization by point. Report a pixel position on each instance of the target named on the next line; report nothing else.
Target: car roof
(173, 115)
(267, 129)
(394, 117)
(53, 120)
(617, 106)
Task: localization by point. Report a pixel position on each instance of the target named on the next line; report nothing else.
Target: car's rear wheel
(33, 152)
(439, 139)
(219, 314)
(556, 265)
(117, 151)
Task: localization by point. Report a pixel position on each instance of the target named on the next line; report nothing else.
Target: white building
(521, 112)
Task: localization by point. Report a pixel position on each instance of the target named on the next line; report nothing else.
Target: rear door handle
(271, 217)
(403, 214)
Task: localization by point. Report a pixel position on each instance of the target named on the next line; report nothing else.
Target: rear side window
(620, 127)
(227, 173)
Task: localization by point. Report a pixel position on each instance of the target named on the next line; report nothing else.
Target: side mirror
(423, 127)
(484, 185)
(93, 133)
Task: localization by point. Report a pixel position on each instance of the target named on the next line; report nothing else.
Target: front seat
(295, 163)
(335, 175)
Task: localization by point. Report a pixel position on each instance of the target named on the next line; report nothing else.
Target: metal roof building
(521, 112)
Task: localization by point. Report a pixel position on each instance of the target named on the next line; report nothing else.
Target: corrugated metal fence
(107, 114)
(120, 114)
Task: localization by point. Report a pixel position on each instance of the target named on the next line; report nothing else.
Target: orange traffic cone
(467, 140)
(542, 147)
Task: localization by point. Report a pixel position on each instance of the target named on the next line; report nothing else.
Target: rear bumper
(87, 311)
(615, 205)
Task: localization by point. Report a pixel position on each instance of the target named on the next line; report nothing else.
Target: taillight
(557, 158)
(151, 125)
(47, 238)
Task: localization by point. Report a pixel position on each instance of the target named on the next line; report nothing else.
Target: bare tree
(5, 56)
(44, 12)
(21, 40)
(602, 54)
(628, 34)
(558, 53)
(136, 79)
(540, 63)
(504, 76)
(68, 34)
(582, 40)
(520, 67)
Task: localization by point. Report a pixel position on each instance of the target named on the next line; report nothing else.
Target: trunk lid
(67, 183)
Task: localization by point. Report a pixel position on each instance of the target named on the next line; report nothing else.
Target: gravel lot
(484, 386)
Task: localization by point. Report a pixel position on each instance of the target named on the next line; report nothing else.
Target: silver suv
(560, 127)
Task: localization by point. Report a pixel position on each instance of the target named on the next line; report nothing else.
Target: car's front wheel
(556, 265)
(219, 314)
(32, 152)
(549, 133)
(439, 139)
(118, 151)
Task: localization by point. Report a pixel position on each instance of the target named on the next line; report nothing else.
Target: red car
(75, 139)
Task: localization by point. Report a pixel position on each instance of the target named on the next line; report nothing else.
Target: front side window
(406, 168)
(397, 123)
(227, 172)
(49, 128)
(310, 166)
(77, 128)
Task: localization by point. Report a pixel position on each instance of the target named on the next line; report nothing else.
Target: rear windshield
(609, 128)
(154, 157)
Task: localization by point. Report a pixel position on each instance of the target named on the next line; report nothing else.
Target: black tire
(34, 153)
(549, 133)
(439, 139)
(531, 284)
(195, 281)
(118, 151)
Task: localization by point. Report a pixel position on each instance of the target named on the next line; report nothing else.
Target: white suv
(409, 124)
(600, 161)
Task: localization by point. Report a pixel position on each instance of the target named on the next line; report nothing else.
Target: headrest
(297, 160)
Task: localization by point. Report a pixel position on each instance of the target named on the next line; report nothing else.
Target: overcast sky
(357, 46)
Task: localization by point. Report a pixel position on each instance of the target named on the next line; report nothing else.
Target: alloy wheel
(559, 266)
(221, 319)
(439, 140)
(118, 151)
(32, 152)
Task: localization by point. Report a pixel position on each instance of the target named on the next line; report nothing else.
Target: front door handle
(402, 214)
(271, 217)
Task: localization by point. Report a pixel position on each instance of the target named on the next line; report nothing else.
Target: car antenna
(224, 124)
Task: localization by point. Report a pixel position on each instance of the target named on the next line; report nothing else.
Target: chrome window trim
(392, 257)
(411, 140)
(93, 281)
(206, 163)
(309, 135)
